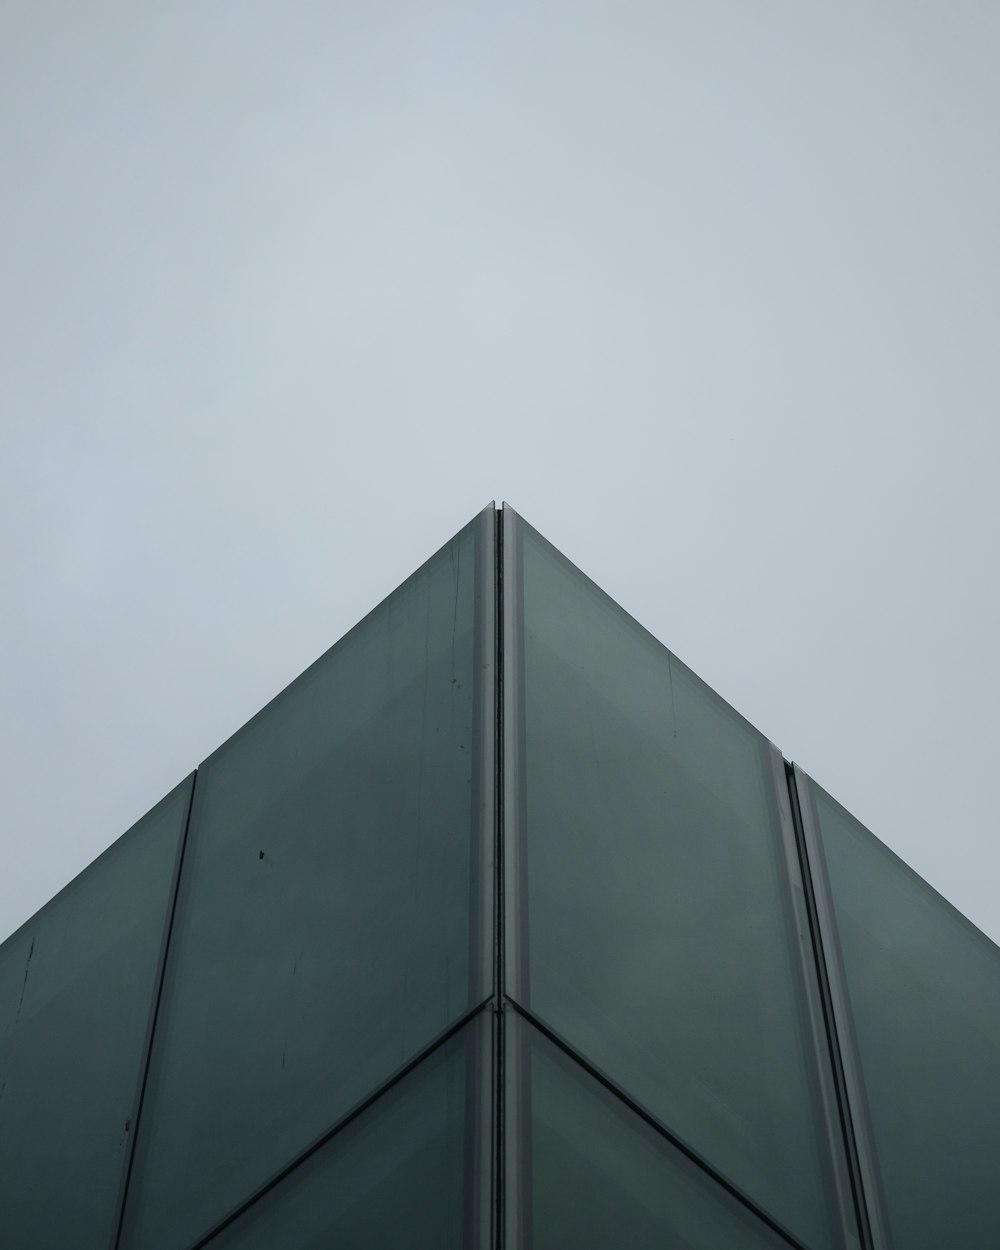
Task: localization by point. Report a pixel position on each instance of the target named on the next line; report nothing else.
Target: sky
(709, 292)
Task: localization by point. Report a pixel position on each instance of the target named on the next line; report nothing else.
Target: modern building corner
(498, 929)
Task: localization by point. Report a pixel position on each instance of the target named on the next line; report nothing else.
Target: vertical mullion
(855, 1121)
(516, 1162)
(515, 895)
(838, 1146)
(498, 891)
(482, 885)
(480, 1080)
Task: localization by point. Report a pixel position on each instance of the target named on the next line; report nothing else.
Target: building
(498, 928)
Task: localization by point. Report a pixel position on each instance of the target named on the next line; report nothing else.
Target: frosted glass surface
(398, 1177)
(76, 989)
(327, 911)
(658, 935)
(594, 1175)
(924, 990)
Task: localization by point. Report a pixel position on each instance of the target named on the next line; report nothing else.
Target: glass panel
(659, 936)
(398, 1176)
(326, 913)
(591, 1174)
(924, 991)
(77, 983)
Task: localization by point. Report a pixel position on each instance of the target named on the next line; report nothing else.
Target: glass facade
(498, 928)
(649, 822)
(586, 1171)
(329, 909)
(78, 985)
(921, 1016)
(402, 1171)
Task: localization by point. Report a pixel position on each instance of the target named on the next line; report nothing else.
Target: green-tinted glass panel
(77, 984)
(659, 936)
(397, 1177)
(590, 1174)
(924, 991)
(327, 916)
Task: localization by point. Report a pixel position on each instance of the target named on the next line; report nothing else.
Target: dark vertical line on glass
(478, 1109)
(471, 1118)
(812, 870)
(154, 1011)
(839, 1183)
(499, 898)
(515, 1075)
(482, 750)
(517, 766)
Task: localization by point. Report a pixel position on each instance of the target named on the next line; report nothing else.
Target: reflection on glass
(591, 1174)
(326, 911)
(924, 991)
(397, 1177)
(659, 938)
(76, 991)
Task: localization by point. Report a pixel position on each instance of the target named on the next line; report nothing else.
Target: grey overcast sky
(709, 291)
